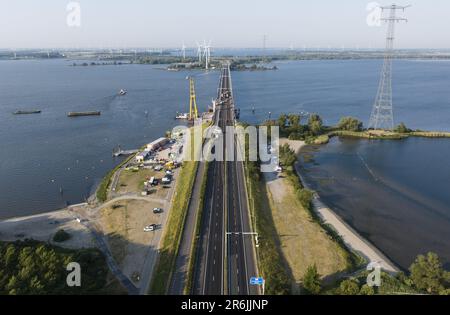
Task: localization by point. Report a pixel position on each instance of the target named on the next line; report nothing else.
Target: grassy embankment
(102, 190)
(375, 134)
(305, 197)
(173, 230)
(430, 134)
(192, 260)
(380, 135)
(271, 264)
(304, 240)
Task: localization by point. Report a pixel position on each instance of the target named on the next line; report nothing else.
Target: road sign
(256, 281)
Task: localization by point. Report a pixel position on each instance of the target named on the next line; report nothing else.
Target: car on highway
(157, 210)
(150, 228)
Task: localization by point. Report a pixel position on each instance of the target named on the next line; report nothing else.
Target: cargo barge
(78, 114)
(25, 112)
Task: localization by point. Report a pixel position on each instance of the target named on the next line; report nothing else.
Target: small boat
(182, 116)
(25, 112)
(77, 114)
(122, 92)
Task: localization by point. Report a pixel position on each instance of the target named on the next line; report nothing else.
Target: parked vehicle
(158, 168)
(157, 210)
(150, 228)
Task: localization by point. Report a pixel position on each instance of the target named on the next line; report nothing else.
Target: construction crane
(193, 110)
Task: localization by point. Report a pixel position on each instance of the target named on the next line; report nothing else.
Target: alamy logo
(235, 143)
(375, 14)
(74, 14)
(74, 277)
(374, 277)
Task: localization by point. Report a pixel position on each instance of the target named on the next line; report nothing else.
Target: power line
(382, 116)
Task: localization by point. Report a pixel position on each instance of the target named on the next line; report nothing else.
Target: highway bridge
(226, 258)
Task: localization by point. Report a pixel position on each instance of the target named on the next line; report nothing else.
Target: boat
(77, 114)
(122, 92)
(182, 116)
(24, 112)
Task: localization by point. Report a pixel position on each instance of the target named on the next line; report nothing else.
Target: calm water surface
(39, 154)
(396, 193)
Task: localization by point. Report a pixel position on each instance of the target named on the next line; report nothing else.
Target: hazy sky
(228, 23)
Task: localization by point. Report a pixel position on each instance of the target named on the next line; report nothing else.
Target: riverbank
(302, 240)
(42, 227)
(114, 218)
(354, 241)
(380, 135)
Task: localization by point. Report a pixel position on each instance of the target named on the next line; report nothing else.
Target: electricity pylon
(193, 111)
(382, 116)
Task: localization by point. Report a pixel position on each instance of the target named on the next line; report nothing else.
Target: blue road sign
(256, 281)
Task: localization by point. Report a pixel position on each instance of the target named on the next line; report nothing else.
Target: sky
(229, 23)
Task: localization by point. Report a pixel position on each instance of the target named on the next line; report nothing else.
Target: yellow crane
(193, 111)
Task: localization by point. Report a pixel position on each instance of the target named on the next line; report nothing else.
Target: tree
(445, 292)
(427, 273)
(287, 156)
(350, 124)
(282, 120)
(366, 290)
(349, 287)
(294, 120)
(61, 236)
(401, 128)
(315, 124)
(311, 280)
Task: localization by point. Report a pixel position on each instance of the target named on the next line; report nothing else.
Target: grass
(174, 228)
(322, 139)
(304, 197)
(130, 181)
(375, 135)
(303, 240)
(270, 260)
(102, 191)
(192, 260)
(430, 134)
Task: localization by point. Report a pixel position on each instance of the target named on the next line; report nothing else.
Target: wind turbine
(207, 54)
(183, 51)
(199, 52)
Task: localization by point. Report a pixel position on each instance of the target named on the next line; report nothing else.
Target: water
(39, 154)
(395, 193)
(45, 152)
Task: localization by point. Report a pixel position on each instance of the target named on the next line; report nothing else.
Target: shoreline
(352, 239)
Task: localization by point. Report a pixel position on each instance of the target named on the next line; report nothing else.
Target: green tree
(311, 280)
(294, 120)
(350, 124)
(282, 120)
(349, 287)
(61, 236)
(366, 290)
(287, 156)
(401, 128)
(427, 273)
(315, 124)
(445, 292)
